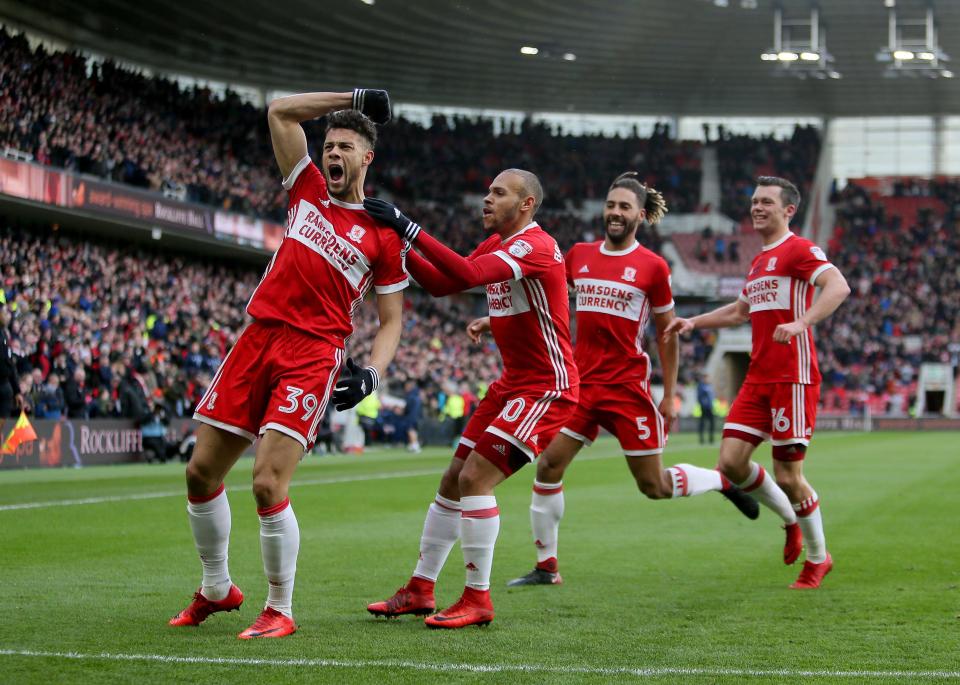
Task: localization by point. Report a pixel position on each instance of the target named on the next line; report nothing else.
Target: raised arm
(456, 271)
(284, 116)
(427, 275)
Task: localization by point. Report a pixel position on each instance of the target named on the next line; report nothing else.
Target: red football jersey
(779, 290)
(330, 255)
(530, 315)
(616, 291)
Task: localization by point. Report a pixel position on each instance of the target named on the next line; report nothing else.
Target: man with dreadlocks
(618, 283)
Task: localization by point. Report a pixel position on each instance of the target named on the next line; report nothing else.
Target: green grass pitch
(655, 591)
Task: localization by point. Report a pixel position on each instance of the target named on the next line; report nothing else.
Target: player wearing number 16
(778, 400)
(277, 380)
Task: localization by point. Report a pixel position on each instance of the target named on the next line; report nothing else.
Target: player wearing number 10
(278, 377)
(778, 400)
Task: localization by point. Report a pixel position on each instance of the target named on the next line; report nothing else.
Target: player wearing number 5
(778, 400)
(276, 381)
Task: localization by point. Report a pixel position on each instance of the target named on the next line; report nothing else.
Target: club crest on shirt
(356, 233)
(629, 274)
(772, 264)
(325, 203)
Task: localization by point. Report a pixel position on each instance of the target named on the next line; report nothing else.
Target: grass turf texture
(649, 585)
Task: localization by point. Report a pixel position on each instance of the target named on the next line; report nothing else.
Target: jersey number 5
(643, 427)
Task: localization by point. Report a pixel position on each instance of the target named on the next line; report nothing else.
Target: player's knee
(449, 484)
(734, 469)
(548, 472)
(200, 481)
(791, 484)
(267, 489)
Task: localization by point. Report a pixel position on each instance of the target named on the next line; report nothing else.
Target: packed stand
(101, 332)
(742, 159)
(97, 118)
(905, 306)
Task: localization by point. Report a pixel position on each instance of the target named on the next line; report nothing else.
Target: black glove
(374, 103)
(388, 214)
(353, 385)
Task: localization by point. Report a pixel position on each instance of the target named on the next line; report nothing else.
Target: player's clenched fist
(785, 331)
(388, 214)
(353, 385)
(373, 103)
(477, 327)
(677, 326)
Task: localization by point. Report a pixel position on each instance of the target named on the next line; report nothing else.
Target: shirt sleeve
(807, 261)
(389, 272)
(530, 257)
(305, 178)
(661, 294)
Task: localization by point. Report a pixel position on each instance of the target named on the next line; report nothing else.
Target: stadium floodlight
(528, 50)
(800, 47)
(569, 57)
(912, 47)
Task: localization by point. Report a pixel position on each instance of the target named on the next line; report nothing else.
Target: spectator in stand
(75, 395)
(51, 403)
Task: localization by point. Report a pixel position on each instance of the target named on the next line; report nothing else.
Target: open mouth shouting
(335, 171)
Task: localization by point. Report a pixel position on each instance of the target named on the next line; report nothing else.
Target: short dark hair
(648, 198)
(355, 121)
(789, 193)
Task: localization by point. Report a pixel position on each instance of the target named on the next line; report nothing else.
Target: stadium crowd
(743, 158)
(905, 308)
(99, 331)
(69, 111)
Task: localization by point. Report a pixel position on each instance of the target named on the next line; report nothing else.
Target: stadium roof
(682, 57)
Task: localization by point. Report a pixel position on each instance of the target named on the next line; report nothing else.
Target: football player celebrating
(778, 399)
(619, 284)
(276, 381)
(521, 267)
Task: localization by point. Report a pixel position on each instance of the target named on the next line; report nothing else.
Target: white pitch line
(182, 493)
(487, 668)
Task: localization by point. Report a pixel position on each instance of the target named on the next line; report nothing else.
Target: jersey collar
(532, 224)
(345, 205)
(619, 253)
(779, 242)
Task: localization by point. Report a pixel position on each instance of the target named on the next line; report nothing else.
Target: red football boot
(201, 607)
(811, 575)
(270, 623)
(472, 609)
(794, 544)
(416, 598)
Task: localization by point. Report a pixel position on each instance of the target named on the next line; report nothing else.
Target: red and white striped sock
(210, 522)
(479, 527)
(765, 489)
(811, 524)
(546, 510)
(279, 545)
(441, 530)
(690, 480)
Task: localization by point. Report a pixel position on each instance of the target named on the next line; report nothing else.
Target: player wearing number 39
(276, 381)
(778, 400)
